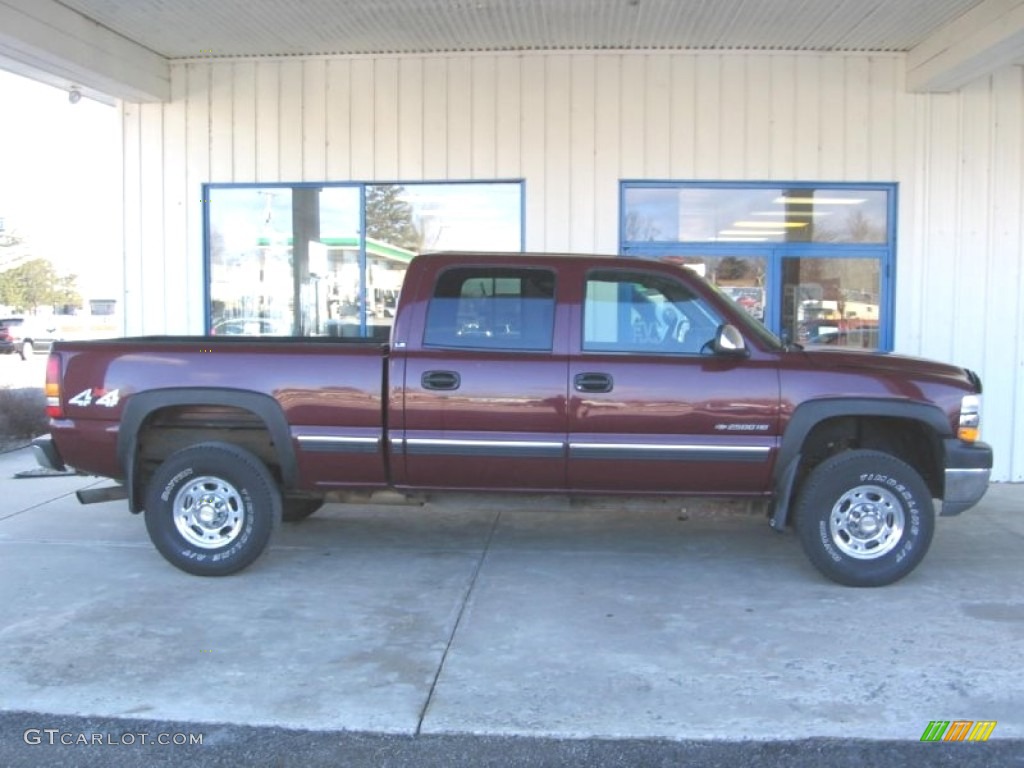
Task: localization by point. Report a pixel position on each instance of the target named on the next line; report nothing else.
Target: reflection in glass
(741, 278)
(723, 214)
(831, 301)
(293, 261)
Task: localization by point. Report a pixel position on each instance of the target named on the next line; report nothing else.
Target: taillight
(54, 408)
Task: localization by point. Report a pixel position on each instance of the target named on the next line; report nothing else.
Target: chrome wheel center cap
(207, 514)
(869, 524)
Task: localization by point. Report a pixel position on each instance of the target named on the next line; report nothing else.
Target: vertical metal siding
(572, 125)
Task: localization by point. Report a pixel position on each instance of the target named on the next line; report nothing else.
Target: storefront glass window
(294, 260)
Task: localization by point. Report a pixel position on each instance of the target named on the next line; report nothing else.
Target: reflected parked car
(249, 326)
(6, 341)
(29, 334)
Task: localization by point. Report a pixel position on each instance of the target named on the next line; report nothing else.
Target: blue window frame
(813, 261)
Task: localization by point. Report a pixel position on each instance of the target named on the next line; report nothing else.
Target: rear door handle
(593, 382)
(440, 380)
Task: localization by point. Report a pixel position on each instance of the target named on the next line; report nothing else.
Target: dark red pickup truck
(524, 373)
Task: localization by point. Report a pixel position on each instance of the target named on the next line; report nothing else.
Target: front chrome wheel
(866, 522)
(865, 517)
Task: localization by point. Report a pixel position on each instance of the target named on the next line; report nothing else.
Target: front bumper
(968, 468)
(46, 454)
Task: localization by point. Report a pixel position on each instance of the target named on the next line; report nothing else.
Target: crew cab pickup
(520, 373)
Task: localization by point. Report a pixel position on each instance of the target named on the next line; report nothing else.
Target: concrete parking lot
(546, 620)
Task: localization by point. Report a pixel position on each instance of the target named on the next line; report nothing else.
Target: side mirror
(729, 341)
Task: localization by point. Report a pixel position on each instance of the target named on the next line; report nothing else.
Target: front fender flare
(809, 415)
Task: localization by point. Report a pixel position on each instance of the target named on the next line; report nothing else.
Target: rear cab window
(504, 308)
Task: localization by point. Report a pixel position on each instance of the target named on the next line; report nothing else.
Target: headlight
(970, 419)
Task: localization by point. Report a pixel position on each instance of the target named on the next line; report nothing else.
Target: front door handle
(440, 380)
(593, 382)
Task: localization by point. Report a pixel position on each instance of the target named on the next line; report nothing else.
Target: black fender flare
(809, 415)
(142, 405)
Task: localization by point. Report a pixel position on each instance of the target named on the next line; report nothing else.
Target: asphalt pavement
(535, 633)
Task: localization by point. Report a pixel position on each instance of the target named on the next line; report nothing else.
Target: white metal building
(574, 103)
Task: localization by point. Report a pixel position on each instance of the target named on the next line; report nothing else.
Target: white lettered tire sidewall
(887, 485)
(241, 484)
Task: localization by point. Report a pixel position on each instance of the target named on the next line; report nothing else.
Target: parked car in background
(29, 334)
(6, 341)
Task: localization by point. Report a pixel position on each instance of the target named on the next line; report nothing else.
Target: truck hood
(888, 363)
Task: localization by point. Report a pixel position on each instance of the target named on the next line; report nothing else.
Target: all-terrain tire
(865, 518)
(211, 508)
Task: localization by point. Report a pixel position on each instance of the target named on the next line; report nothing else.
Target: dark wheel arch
(141, 406)
(809, 415)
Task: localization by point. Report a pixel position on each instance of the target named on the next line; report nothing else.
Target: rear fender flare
(141, 406)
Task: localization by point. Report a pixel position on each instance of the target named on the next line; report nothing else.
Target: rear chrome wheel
(211, 508)
(209, 512)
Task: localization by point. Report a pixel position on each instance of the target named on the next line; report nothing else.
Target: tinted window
(638, 312)
(492, 308)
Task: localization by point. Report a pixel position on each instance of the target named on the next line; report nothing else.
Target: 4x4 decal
(88, 397)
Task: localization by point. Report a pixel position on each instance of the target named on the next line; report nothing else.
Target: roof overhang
(47, 41)
(124, 49)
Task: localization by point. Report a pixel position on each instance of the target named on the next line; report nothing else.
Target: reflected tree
(389, 218)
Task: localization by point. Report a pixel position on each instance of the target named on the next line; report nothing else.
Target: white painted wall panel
(508, 117)
(572, 125)
(188, 165)
(384, 119)
(268, 110)
(153, 250)
(314, 120)
(361, 119)
(410, 119)
(583, 190)
(732, 101)
(183, 122)
(243, 117)
(657, 116)
(483, 124)
(607, 140)
(460, 118)
(557, 153)
(683, 127)
(134, 298)
(339, 119)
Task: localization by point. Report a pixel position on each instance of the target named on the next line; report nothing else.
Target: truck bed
(330, 392)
